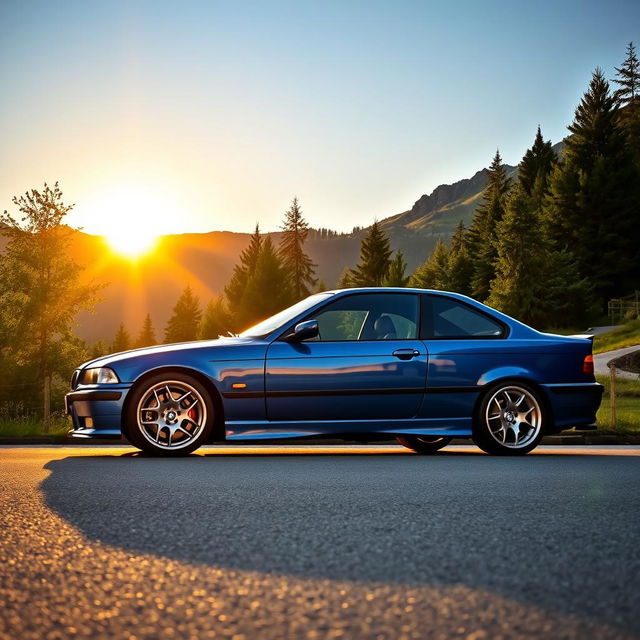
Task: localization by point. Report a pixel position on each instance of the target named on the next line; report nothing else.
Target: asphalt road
(319, 542)
(600, 362)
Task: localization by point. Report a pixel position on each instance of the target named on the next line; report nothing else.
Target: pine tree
(628, 77)
(536, 165)
(267, 290)
(459, 263)
(396, 276)
(434, 272)
(628, 96)
(297, 265)
(122, 340)
(147, 335)
(344, 281)
(593, 206)
(183, 324)
(375, 259)
(216, 320)
(482, 231)
(534, 283)
(243, 271)
(98, 349)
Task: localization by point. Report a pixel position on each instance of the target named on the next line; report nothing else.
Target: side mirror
(304, 331)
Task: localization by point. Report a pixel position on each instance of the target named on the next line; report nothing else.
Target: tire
(169, 414)
(511, 419)
(424, 444)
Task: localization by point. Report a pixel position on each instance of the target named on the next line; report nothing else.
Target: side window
(366, 316)
(452, 319)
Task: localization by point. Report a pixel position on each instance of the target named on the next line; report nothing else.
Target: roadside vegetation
(30, 426)
(549, 246)
(625, 336)
(627, 407)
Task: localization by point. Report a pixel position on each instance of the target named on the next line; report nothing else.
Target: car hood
(222, 349)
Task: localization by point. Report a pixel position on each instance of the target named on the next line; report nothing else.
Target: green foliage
(242, 273)
(628, 96)
(535, 167)
(628, 77)
(267, 290)
(481, 235)
(593, 205)
(296, 264)
(183, 324)
(40, 290)
(122, 340)
(434, 272)
(396, 276)
(627, 407)
(519, 284)
(216, 320)
(147, 335)
(345, 282)
(627, 335)
(459, 262)
(375, 259)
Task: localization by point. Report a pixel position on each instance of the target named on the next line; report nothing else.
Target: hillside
(206, 260)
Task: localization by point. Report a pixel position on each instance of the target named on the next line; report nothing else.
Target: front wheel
(510, 420)
(423, 444)
(170, 414)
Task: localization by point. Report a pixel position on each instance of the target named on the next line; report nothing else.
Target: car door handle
(406, 354)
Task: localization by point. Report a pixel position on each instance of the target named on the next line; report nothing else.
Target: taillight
(587, 365)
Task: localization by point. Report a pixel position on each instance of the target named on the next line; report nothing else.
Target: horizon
(200, 119)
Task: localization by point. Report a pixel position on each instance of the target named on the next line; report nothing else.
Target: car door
(367, 363)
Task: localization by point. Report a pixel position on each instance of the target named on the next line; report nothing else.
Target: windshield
(280, 319)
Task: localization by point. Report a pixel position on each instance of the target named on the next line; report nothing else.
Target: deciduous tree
(41, 291)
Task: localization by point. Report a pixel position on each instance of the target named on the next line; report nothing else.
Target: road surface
(600, 362)
(319, 542)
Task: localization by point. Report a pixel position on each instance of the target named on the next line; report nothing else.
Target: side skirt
(259, 430)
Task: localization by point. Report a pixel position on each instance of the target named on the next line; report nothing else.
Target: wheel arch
(536, 386)
(219, 432)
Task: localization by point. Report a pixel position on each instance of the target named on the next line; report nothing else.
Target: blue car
(419, 366)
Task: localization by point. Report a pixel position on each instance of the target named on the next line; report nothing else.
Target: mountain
(440, 211)
(206, 260)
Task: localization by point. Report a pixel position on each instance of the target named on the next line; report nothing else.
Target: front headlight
(99, 375)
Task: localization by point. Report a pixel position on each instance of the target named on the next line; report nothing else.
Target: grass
(626, 336)
(627, 407)
(27, 426)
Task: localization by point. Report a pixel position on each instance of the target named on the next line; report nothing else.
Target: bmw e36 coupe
(368, 364)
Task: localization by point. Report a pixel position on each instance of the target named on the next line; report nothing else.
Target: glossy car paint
(351, 387)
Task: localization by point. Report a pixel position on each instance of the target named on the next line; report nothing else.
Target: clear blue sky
(217, 113)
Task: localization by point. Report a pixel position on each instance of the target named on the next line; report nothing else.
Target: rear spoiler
(584, 336)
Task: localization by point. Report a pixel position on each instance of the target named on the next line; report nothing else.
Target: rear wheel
(510, 420)
(424, 444)
(169, 414)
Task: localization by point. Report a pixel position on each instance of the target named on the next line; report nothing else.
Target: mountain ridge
(206, 260)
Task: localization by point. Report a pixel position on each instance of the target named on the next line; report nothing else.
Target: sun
(132, 217)
(131, 243)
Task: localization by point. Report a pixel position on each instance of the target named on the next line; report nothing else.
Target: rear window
(448, 318)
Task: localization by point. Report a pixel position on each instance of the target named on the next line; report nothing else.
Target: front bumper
(96, 412)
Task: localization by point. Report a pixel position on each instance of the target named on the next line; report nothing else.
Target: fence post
(612, 393)
(47, 403)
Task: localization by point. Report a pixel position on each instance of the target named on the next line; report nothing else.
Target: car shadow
(538, 529)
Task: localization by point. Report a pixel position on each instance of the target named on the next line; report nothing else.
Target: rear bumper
(96, 412)
(574, 405)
